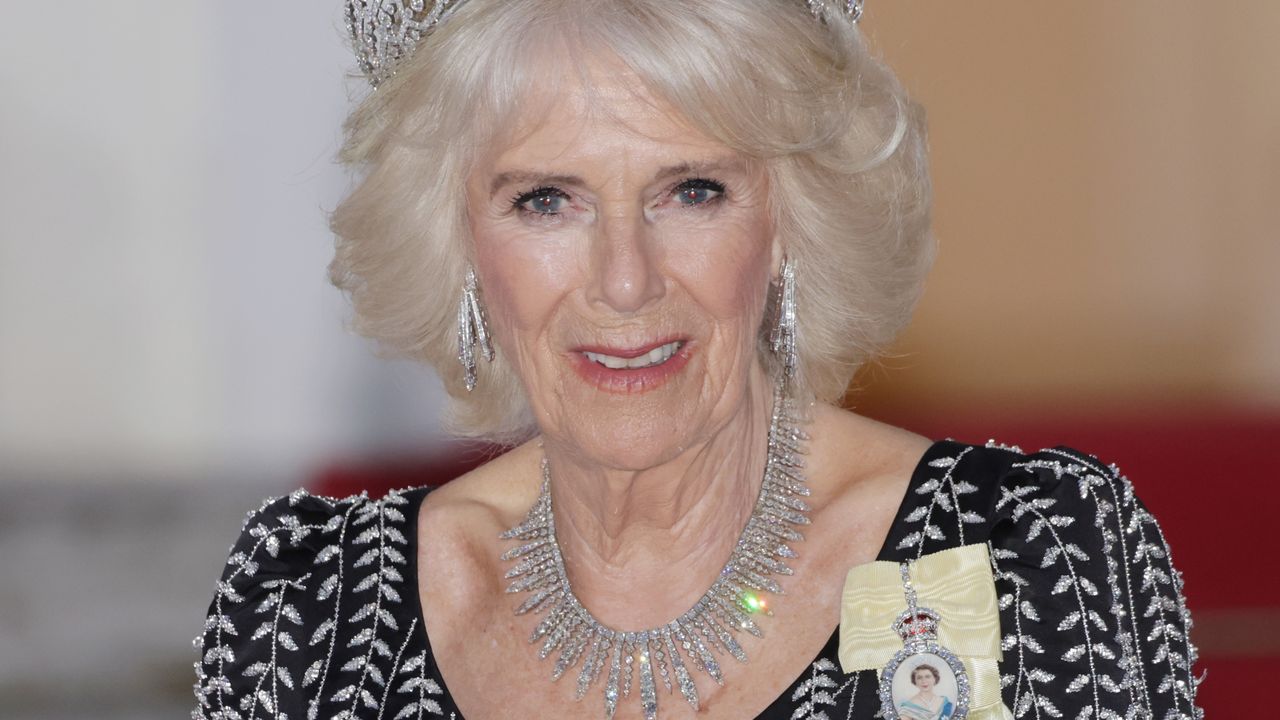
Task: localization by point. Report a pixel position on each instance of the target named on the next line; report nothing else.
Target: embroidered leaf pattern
(316, 613)
(347, 599)
(822, 690)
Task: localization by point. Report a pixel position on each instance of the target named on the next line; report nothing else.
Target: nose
(625, 272)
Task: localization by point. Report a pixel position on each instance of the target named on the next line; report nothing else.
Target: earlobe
(776, 255)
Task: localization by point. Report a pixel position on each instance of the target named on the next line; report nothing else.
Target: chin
(638, 442)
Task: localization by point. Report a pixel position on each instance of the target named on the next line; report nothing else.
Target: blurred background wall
(170, 351)
(1106, 175)
(1107, 201)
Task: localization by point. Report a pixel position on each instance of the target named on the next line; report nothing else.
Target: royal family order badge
(923, 680)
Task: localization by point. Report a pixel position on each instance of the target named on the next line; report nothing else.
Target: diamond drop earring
(783, 336)
(473, 330)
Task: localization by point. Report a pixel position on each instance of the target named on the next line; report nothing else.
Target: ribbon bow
(955, 583)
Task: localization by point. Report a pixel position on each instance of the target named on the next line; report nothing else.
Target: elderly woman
(646, 244)
(927, 703)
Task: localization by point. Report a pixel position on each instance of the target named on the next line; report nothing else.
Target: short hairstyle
(842, 145)
(937, 677)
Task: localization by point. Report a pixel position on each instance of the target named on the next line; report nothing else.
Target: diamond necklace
(706, 630)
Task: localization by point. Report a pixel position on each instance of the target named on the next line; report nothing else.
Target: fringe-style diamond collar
(663, 654)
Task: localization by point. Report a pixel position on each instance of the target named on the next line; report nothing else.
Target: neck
(623, 533)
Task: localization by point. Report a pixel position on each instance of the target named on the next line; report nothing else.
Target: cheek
(728, 271)
(522, 278)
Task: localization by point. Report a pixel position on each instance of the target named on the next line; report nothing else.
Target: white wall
(170, 349)
(165, 168)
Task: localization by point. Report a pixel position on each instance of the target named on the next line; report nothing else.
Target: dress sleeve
(1093, 620)
(256, 646)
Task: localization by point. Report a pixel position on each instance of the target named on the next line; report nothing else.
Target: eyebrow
(530, 177)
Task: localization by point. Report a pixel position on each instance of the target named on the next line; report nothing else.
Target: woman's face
(923, 679)
(624, 259)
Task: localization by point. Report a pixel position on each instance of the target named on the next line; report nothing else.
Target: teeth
(656, 356)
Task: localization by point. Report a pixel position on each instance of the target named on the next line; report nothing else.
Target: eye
(541, 201)
(698, 191)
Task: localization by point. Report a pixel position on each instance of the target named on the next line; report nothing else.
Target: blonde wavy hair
(842, 144)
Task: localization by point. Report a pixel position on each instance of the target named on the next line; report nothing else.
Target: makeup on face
(625, 260)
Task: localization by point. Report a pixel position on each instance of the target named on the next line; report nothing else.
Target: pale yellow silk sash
(955, 583)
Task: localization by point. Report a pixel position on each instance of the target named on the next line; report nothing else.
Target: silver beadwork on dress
(665, 653)
(385, 32)
(327, 585)
(473, 330)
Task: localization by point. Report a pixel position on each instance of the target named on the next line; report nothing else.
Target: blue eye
(698, 191)
(542, 201)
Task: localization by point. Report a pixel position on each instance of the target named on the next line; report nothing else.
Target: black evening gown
(317, 617)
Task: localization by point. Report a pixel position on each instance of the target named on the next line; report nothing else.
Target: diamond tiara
(385, 32)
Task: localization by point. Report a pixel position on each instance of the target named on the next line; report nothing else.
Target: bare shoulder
(859, 472)
(858, 455)
(497, 491)
(458, 528)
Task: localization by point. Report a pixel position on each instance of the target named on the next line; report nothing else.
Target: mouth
(632, 370)
(636, 361)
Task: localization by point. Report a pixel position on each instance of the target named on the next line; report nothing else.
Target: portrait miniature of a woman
(927, 703)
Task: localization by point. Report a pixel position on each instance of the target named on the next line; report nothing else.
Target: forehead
(599, 110)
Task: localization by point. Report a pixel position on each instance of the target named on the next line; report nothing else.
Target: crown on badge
(916, 623)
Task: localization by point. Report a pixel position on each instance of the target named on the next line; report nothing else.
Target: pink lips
(629, 381)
